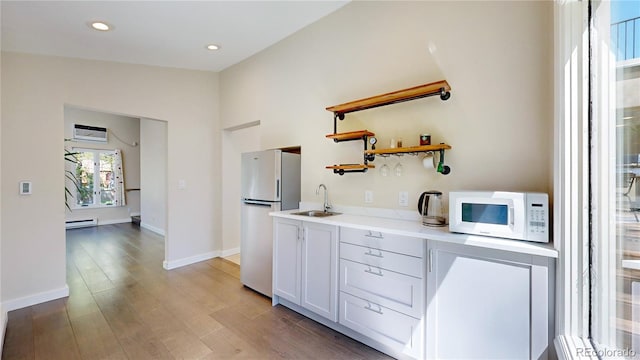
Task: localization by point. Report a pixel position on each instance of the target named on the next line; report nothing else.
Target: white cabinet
(319, 269)
(416, 298)
(382, 288)
(305, 268)
(287, 261)
(390, 289)
(400, 332)
(487, 304)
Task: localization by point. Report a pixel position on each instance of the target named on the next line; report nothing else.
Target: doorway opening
(140, 174)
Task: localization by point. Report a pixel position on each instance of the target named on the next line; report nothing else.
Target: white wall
(35, 90)
(153, 175)
(234, 143)
(123, 131)
(497, 57)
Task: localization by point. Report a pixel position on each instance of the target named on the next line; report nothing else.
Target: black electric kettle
(430, 207)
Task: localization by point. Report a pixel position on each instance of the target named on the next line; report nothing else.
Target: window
(614, 307)
(99, 178)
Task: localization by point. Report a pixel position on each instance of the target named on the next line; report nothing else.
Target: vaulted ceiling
(161, 33)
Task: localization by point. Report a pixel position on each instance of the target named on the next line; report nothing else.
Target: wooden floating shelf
(352, 135)
(416, 92)
(410, 149)
(350, 167)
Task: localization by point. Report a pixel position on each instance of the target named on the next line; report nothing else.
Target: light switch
(368, 196)
(182, 184)
(25, 187)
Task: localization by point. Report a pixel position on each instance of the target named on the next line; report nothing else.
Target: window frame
(97, 193)
(571, 177)
(584, 181)
(603, 179)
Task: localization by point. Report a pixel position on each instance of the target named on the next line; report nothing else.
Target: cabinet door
(485, 303)
(319, 269)
(286, 259)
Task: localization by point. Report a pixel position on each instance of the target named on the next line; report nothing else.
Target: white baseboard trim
(152, 228)
(114, 221)
(35, 299)
(169, 265)
(230, 252)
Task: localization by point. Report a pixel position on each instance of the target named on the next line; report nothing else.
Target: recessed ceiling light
(213, 47)
(100, 26)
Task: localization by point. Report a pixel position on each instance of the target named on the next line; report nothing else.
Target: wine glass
(384, 169)
(398, 169)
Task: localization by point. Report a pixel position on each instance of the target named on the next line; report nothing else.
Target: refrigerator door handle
(259, 203)
(278, 189)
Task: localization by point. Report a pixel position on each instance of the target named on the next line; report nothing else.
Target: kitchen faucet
(327, 207)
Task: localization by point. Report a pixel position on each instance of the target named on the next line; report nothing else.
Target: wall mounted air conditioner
(89, 133)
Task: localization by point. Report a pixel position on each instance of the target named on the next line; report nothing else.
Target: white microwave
(511, 215)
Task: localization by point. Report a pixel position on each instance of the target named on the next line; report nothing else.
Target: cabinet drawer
(383, 241)
(395, 291)
(404, 264)
(401, 332)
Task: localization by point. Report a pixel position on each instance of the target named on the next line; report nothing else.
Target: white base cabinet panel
(382, 288)
(486, 304)
(414, 298)
(377, 240)
(400, 263)
(320, 270)
(287, 260)
(397, 330)
(390, 289)
(305, 269)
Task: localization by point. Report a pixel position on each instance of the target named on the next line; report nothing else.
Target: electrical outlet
(368, 196)
(403, 198)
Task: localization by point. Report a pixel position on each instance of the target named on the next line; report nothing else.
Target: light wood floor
(234, 258)
(124, 305)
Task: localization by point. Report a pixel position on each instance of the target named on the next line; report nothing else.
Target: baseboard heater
(72, 224)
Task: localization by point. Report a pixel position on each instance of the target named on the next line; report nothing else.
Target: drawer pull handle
(371, 235)
(430, 260)
(377, 311)
(378, 255)
(378, 273)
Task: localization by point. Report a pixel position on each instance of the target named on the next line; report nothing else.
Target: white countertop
(415, 228)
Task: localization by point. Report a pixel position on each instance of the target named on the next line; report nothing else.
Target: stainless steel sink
(316, 213)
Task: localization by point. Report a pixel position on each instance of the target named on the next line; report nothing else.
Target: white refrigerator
(270, 181)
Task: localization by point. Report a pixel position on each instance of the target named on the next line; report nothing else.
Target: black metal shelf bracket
(344, 171)
(444, 95)
(336, 116)
(365, 140)
(367, 157)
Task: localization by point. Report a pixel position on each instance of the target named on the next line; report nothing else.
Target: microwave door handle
(511, 215)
